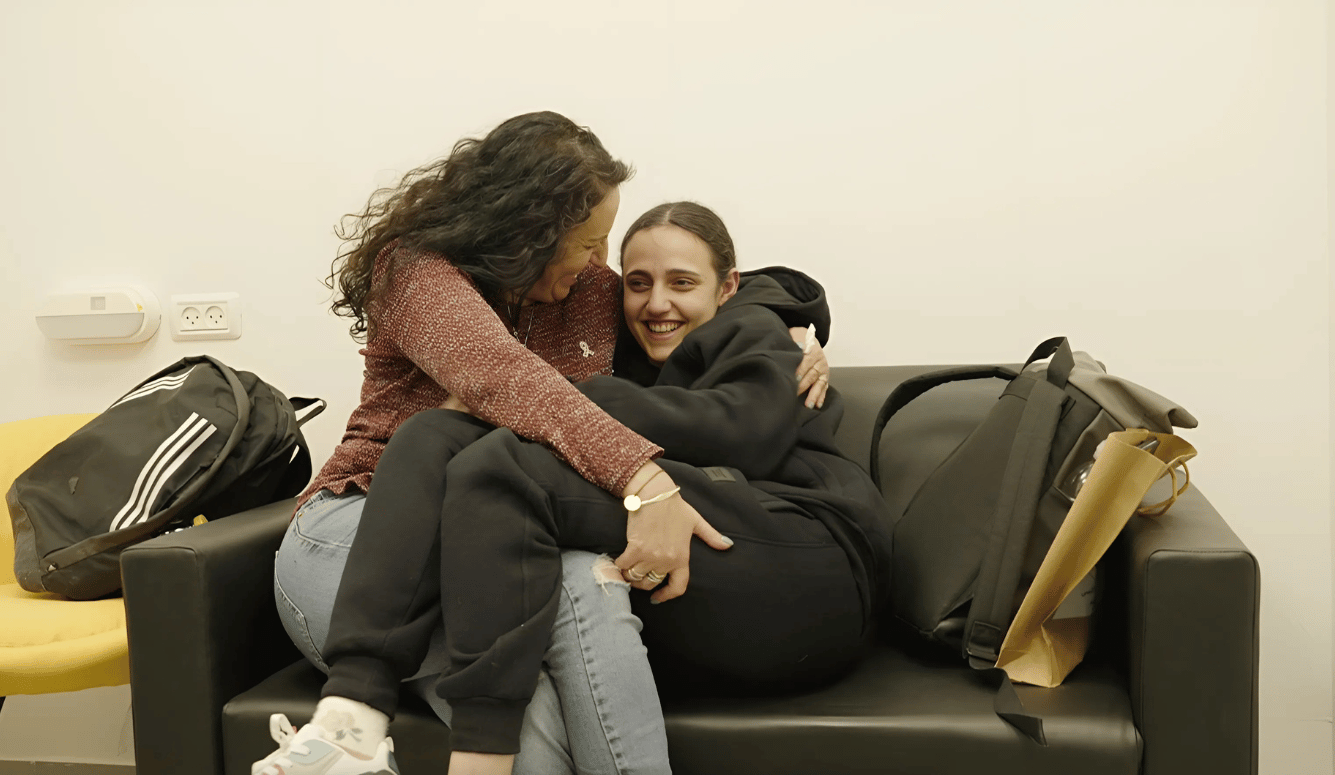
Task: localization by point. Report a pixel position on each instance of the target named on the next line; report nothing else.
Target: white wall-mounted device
(114, 315)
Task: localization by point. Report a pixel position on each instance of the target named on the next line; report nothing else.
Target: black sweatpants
(388, 602)
(780, 608)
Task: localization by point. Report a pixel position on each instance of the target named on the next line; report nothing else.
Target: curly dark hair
(698, 220)
(497, 208)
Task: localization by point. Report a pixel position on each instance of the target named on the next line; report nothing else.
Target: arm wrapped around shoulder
(726, 396)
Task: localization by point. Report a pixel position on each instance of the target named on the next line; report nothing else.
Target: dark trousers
(779, 609)
(388, 602)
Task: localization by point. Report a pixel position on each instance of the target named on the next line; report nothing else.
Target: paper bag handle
(1162, 507)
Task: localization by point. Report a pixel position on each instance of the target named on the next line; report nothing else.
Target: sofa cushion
(910, 715)
(50, 644)
(898, 712)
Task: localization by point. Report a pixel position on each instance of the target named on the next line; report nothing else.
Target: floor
(78, 733)
(64, 768)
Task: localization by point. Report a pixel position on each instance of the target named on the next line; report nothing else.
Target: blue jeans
(595, 710)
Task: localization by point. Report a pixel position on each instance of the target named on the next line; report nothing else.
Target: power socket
(205, 316)
(215, 318)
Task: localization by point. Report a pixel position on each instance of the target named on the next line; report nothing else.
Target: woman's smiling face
(671, 287)
(585, 244)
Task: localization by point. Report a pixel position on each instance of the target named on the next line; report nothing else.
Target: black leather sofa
(1170, 685)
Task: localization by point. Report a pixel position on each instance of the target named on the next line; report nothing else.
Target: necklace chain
(515, 329)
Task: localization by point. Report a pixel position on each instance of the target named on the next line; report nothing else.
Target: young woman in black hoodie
(790, 604)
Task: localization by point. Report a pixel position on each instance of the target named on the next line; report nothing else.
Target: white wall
(966, 178)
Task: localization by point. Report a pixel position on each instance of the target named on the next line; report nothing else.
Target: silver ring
(654, 578)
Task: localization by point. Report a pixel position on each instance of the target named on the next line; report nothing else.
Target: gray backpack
(195, 439)
(971, 538)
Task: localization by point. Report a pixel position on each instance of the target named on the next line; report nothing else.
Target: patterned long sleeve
(435, 336)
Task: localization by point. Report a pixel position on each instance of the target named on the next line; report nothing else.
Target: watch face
(632, 503)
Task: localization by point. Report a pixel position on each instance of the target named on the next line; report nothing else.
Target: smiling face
(585, 244)
(671, 287)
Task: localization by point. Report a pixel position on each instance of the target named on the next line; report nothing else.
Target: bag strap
(1010, 708)
(298, 473)
(1017, 501)
(912, 388)
(100, 543)
(1058, 348)
(1162, 507)
(299, 405)
(990, 611)
(1022, 486)
(999, 577)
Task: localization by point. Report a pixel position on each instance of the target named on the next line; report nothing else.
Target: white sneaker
(311, 752)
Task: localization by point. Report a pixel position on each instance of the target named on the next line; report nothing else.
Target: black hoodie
(727, 396)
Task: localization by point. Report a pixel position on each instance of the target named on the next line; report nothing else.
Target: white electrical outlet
(215, 318)
(205, 316)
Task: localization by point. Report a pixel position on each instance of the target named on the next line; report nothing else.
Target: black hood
(793, 296)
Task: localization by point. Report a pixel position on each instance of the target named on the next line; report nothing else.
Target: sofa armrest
(202, 628)
(1192, 603)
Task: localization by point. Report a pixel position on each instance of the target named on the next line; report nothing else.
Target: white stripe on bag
(176, 464)
(165, 383)
(166, 449)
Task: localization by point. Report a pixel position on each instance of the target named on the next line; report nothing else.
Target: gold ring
(654, 577)
(630, 573)
(822, 376)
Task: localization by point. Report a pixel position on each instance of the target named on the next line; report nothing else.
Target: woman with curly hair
(480, 278)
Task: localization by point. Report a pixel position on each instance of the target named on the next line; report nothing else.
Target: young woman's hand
(658, 539)
(813, 373)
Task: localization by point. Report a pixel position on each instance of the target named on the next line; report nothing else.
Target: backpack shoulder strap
(912, 388)
(1017, 501)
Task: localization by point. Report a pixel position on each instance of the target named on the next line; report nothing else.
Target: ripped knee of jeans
(606, 572)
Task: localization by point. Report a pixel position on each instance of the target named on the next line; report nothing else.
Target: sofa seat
(897, 713)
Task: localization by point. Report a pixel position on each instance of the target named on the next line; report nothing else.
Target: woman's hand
(658, 538)
(813, 373)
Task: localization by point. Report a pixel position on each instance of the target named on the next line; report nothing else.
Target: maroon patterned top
(435, 336)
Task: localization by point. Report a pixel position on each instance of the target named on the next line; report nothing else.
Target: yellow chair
(48, 643)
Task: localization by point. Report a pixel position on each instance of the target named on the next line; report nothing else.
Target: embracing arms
(434, 316)
(726, 397)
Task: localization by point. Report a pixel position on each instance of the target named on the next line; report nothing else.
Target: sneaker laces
(281, 730)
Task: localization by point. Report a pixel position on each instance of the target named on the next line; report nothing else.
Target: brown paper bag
(1044, 644)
